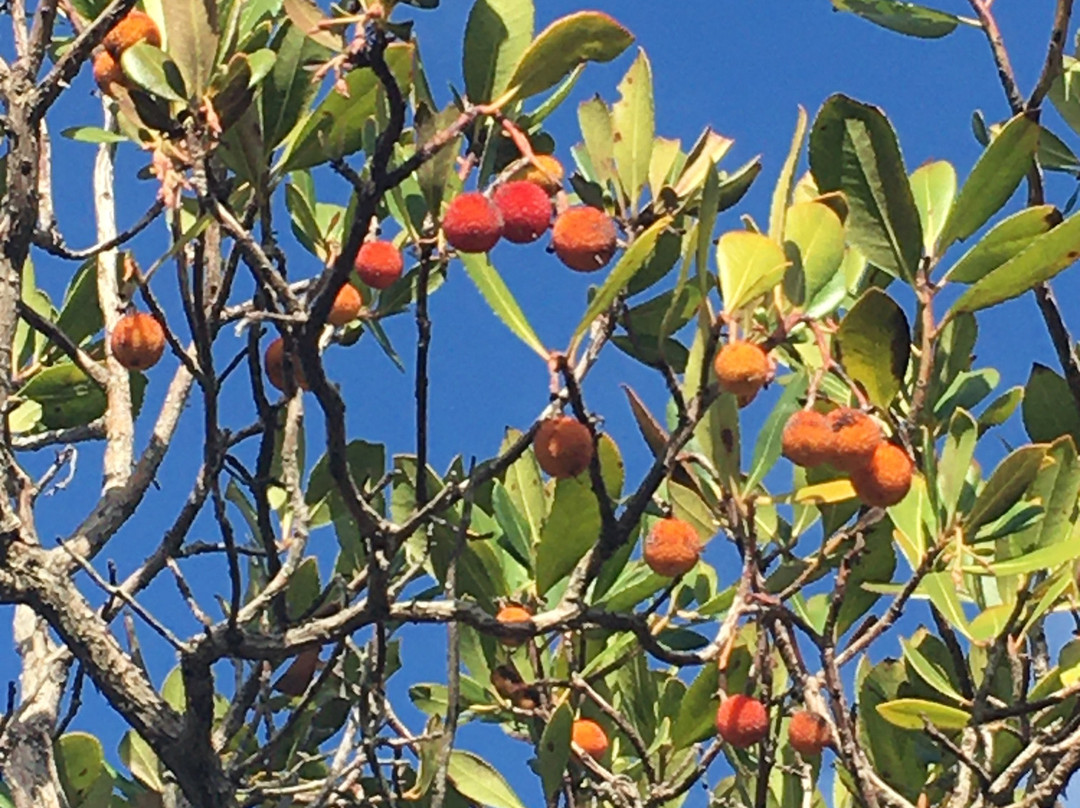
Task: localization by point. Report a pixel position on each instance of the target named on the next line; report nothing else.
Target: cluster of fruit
(846, 439)
(520, 210)
(743, 721)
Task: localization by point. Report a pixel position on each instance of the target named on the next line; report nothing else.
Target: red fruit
(584, 238)
(742, 721)
(472, 223)
(886, 479)
(525, 209)
(672, 548)
(808, 439)
(274, 360)
(379, 264)
(513, 614)
(563, 446)
(590, 736)
(135, 27)
(346, 306)
(855, 438)
(742, 368)
(137, 341)
(808, 733)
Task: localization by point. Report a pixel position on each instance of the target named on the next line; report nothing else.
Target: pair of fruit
(851, 441)
(743, 721)
(134, 28)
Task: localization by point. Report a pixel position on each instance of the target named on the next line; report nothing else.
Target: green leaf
(1044, 257)
(500, 299)
(874, 344)
(913, 713)
(553, 752)
(191, 31)
(1004, 240)
(1005, 486)
(633, 126)
(289, 87)
(995, 177)
(1044, 558)
(141, 761)
(1049, 409)
(1063, 92)
(524, 485)
(1056, 487)
(153, 70)
(781, 197)
(853, 149)
(750, 265)
(767, 447)
(902, 17)
(69, 398)
(573, 524)
(928, 671)
(955, 461)
(941, 590)
(479, 781)
(633, 259)
(366, 462)
(92, 134)
(696, 719)
(80, 317)
(1001, 409)
(934, 187)
(335, 128)
(496, 35)
(80, 760)
(306, 16)
(594, 118)
(814, 241)
(303, 588)
(587, 36)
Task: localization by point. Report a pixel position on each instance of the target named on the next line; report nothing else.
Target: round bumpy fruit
(472, 223)
(590, 736)
(107, 72)
(672, 548)
(346, 306)
(546, 171)
(525, 209)
(274, 360)
(137, 341)
(134, 28)
(855, 438)
(808, 733)
(584, 238)
(742, 368)
(563, 446)
(513, 614)
(807, 440)
(742, 721)
(379, 264)
(886, 479)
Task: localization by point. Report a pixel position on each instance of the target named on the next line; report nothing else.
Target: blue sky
(742, 68)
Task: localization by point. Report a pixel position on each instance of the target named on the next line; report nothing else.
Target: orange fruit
(590, 736)
(274, 360)
(107, 72)
(886, 479)
(512, 613)
(672, 547)
(808, 733)
(546, 171)
(855, 438)
(346, 306)
(807, 440)
(584, 238)
(742, 721)
(136, 27)
(563, 446)
(137, 341)
(742, 368)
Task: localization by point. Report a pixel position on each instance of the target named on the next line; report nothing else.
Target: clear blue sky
(742, 68)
